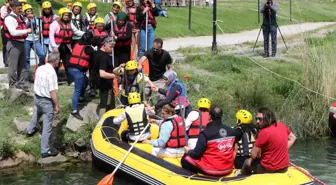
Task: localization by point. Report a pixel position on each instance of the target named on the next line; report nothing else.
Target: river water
(317, 156)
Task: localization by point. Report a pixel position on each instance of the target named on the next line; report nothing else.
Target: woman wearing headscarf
(175, 93)
(123, 35)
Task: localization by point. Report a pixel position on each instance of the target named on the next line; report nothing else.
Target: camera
(268, 2)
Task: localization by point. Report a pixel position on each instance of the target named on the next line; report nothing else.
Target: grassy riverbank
(234, 16)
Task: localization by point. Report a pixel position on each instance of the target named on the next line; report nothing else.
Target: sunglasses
(259, 118)
(157, 49)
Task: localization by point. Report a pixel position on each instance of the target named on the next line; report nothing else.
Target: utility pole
(290, 10)
(189, 24)
(214, 42)
(258, 8)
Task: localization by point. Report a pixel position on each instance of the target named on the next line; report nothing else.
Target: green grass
(236, 16)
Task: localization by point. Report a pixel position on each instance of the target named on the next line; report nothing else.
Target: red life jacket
(131, 12)
(198, 125)
(79, 57)
(64, 36)
(151, 18)
(21, 26)
(2, 21)
(102, 34)
(177, 137)
(121, 33)
(218, 158)
(46, 21)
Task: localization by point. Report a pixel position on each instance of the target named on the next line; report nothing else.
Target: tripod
(276, 24)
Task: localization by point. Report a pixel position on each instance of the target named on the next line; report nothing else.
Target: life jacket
(151, 18)
(177, 137)
(182, 99)
(245, 147)
(77, 20)
(102, 34)
(91, 19)
(131, 12)
(130, 86)
(2, 21)
(218, 158)
(21, 26)
(46, 21)
(64, 36)
(136, 119)
(79, 58)
(198, 125)
(120, 33)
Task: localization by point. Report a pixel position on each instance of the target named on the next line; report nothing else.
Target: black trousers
(4, 43)
(257, 168)
(123, 54)
(65, 54)
(267, 31)
(107, 100)
(239, 161)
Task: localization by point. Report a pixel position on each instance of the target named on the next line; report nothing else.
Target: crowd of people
(108, 48)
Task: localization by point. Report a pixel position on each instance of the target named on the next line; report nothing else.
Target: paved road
(226, 39)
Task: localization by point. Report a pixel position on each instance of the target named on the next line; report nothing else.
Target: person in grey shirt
(269, 26)
(46, 102)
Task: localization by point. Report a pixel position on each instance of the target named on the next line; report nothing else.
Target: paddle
(108, 179)
(306, 173)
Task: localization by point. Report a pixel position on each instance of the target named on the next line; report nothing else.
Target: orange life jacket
(198, 125)
(46, 21)
(177, 137)
(119, 33)
(64, 36)
(79, 58)
(21, 26)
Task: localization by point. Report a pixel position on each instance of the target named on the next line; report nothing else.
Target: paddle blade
(107, 180)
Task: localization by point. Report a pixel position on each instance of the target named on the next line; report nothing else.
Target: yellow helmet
(23, 1)
(62, 11)
(99, 20)
(91, 5)
(46, 4)
(131, 65)
(134, 98)
(243, 117)
(204, 103)
(117, 3)
(77, 4)
(26, 7)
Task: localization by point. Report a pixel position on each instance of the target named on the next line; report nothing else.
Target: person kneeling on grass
(130, 82)
(172, 136)
(136, 117)
(215, 148)
(272, 144)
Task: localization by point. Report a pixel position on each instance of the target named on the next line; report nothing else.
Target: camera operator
(269, 26)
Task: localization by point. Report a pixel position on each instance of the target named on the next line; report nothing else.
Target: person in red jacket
(131, 12)
(123, 35)
(47, 18)
(197, 120)
(99, 29)
(172, 138)
(215, 148)
(270, 151)
(78, 66)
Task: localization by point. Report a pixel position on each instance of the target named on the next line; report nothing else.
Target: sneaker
(77, 115)
(50, 154)
(32, 133)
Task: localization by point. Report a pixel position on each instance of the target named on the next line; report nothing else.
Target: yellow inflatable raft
(108, 150)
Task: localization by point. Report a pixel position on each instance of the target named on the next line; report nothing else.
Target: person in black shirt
(269, 26)
(105, 71)
(158, 60)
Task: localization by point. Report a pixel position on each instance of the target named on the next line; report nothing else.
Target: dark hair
(216, 113)
(268, 116)
(169, 108)
(15, 4)
(159, 41)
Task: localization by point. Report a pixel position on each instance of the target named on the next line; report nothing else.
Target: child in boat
(130, 81)
(136, 118)
(248, 132)
(172, 135)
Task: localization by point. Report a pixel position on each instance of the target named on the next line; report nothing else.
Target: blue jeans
(150, 39)
(80, 80)
(39, 51)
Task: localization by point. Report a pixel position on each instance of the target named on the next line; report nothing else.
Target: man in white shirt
(16, 32)
(46, 102)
